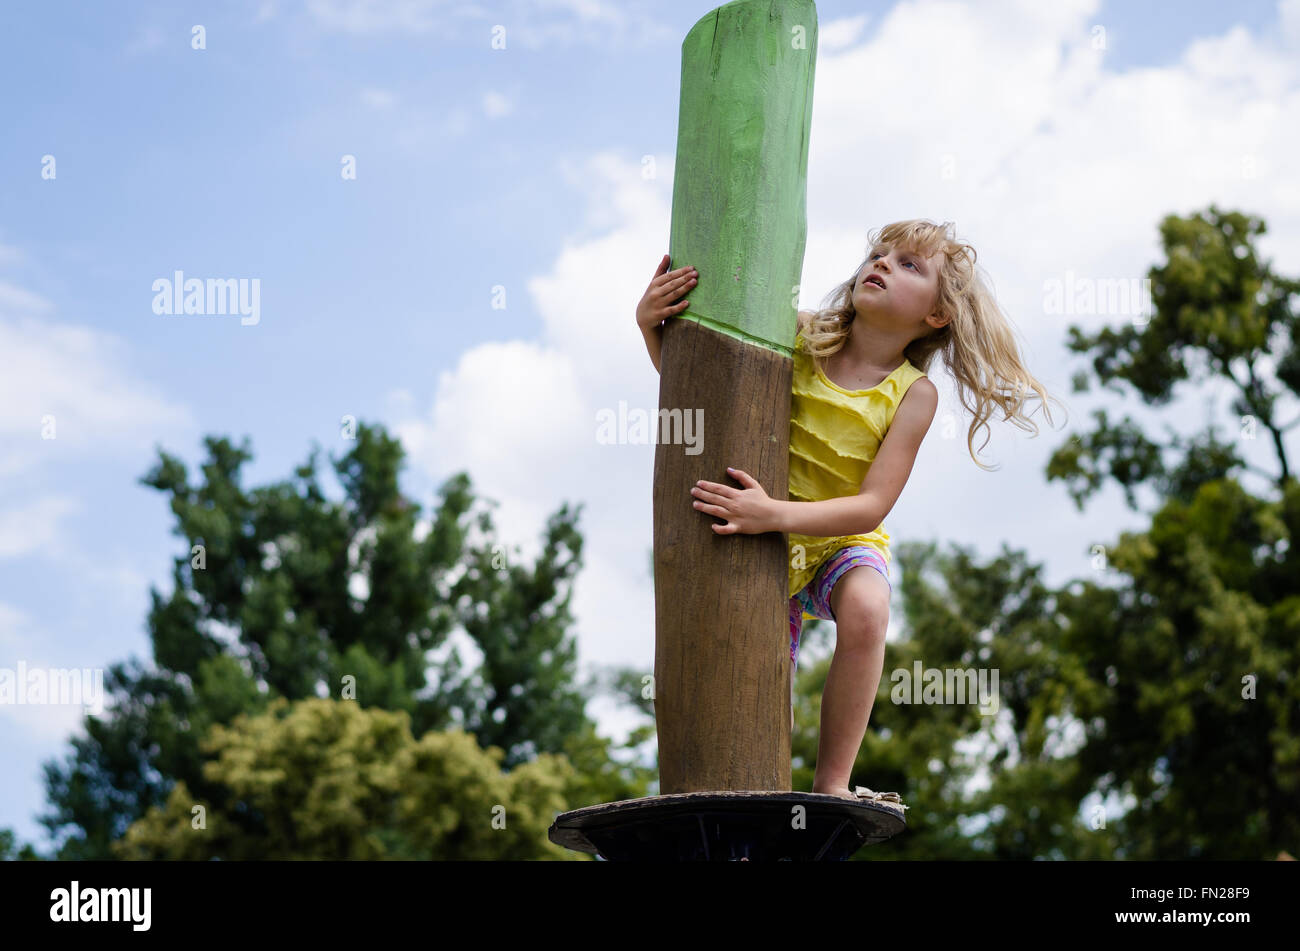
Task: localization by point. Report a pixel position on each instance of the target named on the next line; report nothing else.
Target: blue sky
(519, 168)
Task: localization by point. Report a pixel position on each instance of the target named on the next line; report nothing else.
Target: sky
(449, 236)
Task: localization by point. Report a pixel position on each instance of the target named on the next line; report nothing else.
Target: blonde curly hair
(977, 343)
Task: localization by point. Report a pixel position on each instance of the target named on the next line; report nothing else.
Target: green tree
(329, 779)
(1220, 314)
(1195, 646)
(1149, 710)
(11, 851)
(960, 614)
(282, 593)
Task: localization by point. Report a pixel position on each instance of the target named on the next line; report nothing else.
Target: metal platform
(729, 825)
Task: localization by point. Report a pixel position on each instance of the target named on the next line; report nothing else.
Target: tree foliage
(1147, 710)
(281, 593)
(329, 779)
(1151, 709)
(1220, 314)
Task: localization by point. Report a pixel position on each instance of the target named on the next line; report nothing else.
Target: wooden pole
(722, 650)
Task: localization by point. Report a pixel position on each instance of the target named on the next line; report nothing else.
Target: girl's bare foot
(842, 791)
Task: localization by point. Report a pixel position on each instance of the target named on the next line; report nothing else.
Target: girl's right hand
(665, 287)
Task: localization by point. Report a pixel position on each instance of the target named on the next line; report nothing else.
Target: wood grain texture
(722, 647)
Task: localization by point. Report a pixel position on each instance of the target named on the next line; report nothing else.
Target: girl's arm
(862, 514)
(654, 342)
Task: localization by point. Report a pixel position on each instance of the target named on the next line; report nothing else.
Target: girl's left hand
(747, 510)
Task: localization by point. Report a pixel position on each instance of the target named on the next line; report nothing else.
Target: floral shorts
(815, 596)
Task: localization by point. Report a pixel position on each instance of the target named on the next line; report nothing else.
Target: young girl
(861, 404)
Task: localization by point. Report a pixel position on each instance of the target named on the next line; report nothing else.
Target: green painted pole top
(741, 179)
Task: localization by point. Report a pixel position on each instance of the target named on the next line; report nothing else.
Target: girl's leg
(860, 603)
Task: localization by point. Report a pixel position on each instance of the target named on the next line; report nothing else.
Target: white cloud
(72, 383)
(375, 16)
(14, 299)
(837, 34)
(521, 417)
(43, 722)
(1288, 15)
(1060, 164)
(601, 23)
(11, 619)
(34, 525)
(502, 408)
(584, 9)
(78, 376)
(1047, 159)
(530, 24)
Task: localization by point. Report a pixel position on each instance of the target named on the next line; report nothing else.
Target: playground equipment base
(729, 826)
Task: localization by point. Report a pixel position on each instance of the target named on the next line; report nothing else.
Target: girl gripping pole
(861, 404)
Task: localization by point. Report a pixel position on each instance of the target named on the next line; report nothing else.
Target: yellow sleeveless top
(834, 436)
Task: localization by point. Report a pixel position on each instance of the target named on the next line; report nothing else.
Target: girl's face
(911, 285)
